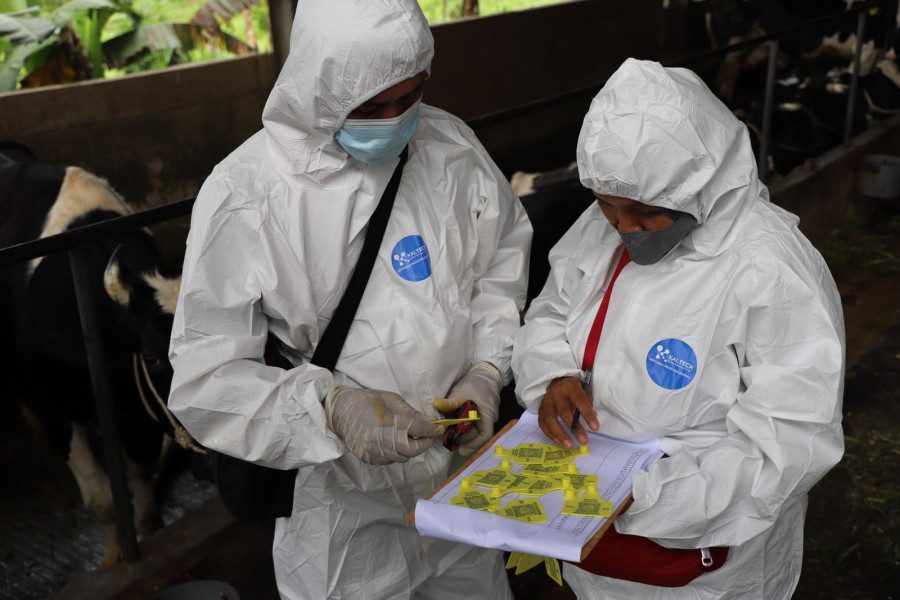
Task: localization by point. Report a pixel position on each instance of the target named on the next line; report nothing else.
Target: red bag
(641, 560)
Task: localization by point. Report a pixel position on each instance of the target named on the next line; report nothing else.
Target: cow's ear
(115, 285)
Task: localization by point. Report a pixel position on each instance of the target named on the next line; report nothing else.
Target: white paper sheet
(561, 536)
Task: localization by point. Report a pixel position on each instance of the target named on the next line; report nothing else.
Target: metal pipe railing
(103, 398)
(88, 233)
(281, 17)
(763, 158)
(854, 78)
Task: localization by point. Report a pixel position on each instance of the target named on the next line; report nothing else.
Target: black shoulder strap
(329, 347)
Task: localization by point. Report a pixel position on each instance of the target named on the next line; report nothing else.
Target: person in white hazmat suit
(723, 337)
(275, 233)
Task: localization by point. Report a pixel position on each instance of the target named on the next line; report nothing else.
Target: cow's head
(146, 294)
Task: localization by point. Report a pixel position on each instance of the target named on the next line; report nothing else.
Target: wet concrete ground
(46, 535)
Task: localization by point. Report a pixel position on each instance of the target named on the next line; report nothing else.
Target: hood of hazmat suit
(730, 349)
(275, 232)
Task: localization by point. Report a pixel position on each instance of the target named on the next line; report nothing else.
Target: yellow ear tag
(526, 454)
(528, 561)
(590, 505)
(493, 478)
(581, 482)
(544, 471)
(542, 486)
(522, 482)
(553, 570)
(475, 500)
(557, 455)
(513, 560)
(473, 416)
(526, 510)
(521, 562)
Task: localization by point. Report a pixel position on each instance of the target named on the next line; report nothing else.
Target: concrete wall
(486, 65)
(822, 193)
(153, 136)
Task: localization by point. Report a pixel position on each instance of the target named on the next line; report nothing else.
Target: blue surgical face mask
(376, 141)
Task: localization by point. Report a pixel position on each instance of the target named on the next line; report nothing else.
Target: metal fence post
(763, 158)
(854, 78)
(96, 357)
(281, 19)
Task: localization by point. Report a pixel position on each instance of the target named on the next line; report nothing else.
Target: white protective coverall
(730, 349)
(275, 233)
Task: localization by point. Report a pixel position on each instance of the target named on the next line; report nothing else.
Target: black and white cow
(826, 43)
(41, 342)
(882, 85)
(814, 70)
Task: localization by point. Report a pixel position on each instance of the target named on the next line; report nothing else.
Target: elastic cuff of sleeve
(489, 368)
(329, 404)
(575, 374)
(557, 380)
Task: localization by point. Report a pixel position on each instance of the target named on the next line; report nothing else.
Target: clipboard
(588, 546)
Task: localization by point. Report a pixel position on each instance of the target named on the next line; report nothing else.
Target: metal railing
(75, 241)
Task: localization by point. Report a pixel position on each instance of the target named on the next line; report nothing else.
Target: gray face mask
(647, 247)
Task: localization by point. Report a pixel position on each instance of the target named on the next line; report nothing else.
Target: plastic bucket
(879, 176)
(198, 590)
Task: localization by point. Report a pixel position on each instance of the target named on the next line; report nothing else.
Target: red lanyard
(590, 350)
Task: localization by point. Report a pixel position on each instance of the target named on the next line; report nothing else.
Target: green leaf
(36, 58)
(8, 6)
(11, 67)
(167, 36)
(224, 9)
(90, 40)
(118, 24)
(25, 30)
(70, 10)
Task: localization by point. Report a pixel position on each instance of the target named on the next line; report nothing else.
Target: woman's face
(393, 101)
(630, 215)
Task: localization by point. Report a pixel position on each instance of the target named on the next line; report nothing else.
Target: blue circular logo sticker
(410, 258)
(671, 364)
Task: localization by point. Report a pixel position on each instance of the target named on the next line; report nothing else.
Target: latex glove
(482, 386)
(379, 427)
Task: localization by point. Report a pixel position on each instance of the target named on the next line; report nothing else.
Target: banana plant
(202, 31)
(21, 36)
(68, 44)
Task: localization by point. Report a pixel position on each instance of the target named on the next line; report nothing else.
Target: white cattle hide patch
(166, 290)
(81, 192)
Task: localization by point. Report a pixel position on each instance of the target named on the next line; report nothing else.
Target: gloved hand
(379, 427)
(482, 386)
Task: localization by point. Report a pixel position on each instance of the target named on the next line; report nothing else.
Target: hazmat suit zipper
(706, 558)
